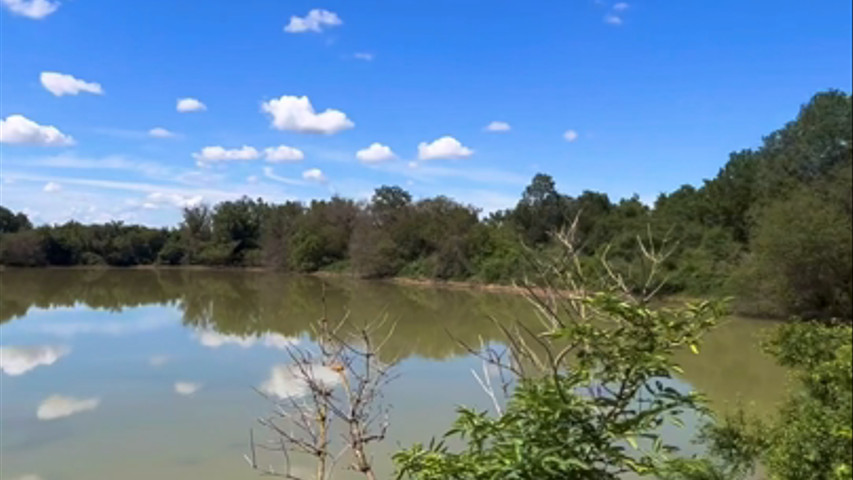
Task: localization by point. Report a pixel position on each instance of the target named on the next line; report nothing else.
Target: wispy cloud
(60, 406)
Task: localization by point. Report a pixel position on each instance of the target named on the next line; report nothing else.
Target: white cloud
(217, 154)
(298, 115)
(213, 339)
(612, 19)
(269, 173)
(29, 476)
(620, 7)
(190, 105)
(20, 129)
(570, 135)
(61, 84)
(186, 388)
(160, 132)
(158, 199)
(498, 127)
(51, 187)
(252, 179)
(375, 153)
(59, 406)
(117, 328)
(20, 360)
(289, 381)
(444, 147)
(283, 154)
(35, 9)
(315, 21)
(314, 175)
(366, 56)
(158, 360)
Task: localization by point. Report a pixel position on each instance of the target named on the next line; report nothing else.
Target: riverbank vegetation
(774, 226)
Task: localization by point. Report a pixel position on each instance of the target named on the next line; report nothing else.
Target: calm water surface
(150, 374)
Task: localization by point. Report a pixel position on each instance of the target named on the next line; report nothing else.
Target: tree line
(774, 225)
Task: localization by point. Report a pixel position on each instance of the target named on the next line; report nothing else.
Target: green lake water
(144, 374)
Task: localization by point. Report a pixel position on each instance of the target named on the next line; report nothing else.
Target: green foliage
(810, 437)
(593, 393)
(801, 257)
(22, 249)
(13, 222)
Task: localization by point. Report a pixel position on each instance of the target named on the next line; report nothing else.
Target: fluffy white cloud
(612, 19)
(20, 360)
(289, 381)
(51, 187)
(375, 153)
(570, 135)
(158, 360)
(315, 21)
(61, 84)
(366, 56)
(314, 175)
(160, 132)
(213, 339)
(283, 154)
(217, 154)
(186, 388)
(298, 115)
(498, 127)
(36, 9)
(158, 199)
(59, 406)
(190, 105)
(444, 147)
(620, 7)
(22, 130)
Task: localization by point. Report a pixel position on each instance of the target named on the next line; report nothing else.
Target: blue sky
(621, 97)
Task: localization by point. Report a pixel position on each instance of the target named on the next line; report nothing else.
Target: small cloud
(612, 19)
(298, 115)
(16, 361)
(283, 154)
(158, 360)
(375, 153)
(620, 7)
(186, 388)
(51, 187)
(413, 164)
(21, 130)
(61, 84)
(190, 105)
(315, 21)
(289, 381)
(443, 148)
(314, 175)
(270, 173)
(253, 179)
(498, 127)
(570, 135)
(367, 57)
(217, 154)
(213, 339)
(159, 132)
(158, 199)
(35, 9)
(59, 406)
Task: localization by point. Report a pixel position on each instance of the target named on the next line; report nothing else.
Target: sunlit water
(151, 374)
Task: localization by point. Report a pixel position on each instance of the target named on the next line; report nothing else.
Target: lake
(142, 374)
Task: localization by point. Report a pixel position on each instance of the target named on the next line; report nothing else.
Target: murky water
(150, 374)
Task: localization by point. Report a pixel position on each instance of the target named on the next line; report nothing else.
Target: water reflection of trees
(255, 303)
